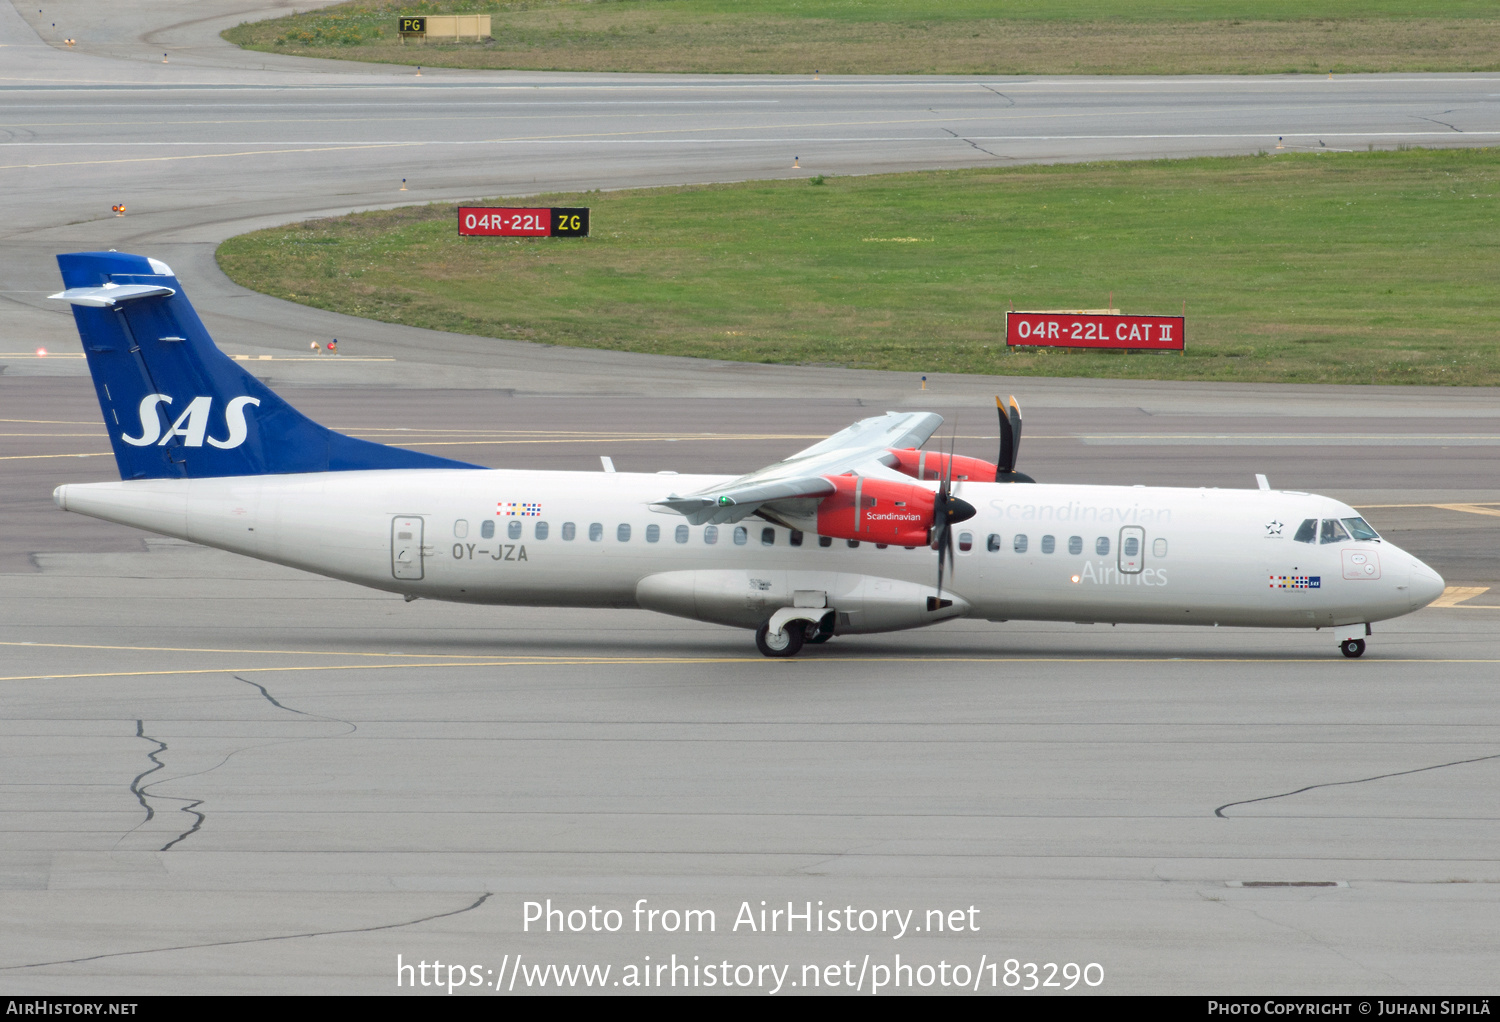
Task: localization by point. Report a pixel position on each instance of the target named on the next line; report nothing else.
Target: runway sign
(1085, 330)
(417, 25)
(516, 222)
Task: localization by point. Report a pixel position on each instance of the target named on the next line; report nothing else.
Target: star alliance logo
(1273, 529)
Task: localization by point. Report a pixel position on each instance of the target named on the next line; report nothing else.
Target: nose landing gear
(1352, 648)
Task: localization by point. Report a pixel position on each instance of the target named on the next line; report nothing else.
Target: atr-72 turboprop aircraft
(835, 540)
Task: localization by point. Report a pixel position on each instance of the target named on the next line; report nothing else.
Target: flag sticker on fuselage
(512, 509)
(1296, 581)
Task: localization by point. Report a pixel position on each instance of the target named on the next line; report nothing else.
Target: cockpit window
(1333, 532)
(1307, 532)
(1359, 529)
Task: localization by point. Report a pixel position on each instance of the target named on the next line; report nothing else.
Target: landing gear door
(1132, 550)
(406, 548)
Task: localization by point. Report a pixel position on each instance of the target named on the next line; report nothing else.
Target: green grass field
(912, 37)
(1376, 267)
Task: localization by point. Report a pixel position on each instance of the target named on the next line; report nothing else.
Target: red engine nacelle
(876, 511)
(931, 465)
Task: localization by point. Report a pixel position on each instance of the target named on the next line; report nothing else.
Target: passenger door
(1132, 550)
(406, 547)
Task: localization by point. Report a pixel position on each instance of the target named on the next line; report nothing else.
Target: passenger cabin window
(1307, 532)
(1359, 529)
(1049, 544)
(460, 529)
(653, 533)
(1132, 546)
(710, 534)
(966, 541)
(622, 533)
(513, 528)
(795, 538)
(541, 530)
(681, 535)
(569, 531)
(825, 541)
(768, 537)
(1159, 547)
(1101, 546)
(1019, 543)
(992, 543)
(852, 543)
(1075, 544)
(741, 535)
(487, 530)
(596, 532)
(1332, 532)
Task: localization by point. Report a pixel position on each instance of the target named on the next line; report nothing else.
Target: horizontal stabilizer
(111, 294)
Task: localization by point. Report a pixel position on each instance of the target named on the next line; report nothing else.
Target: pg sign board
(517, 222)
(1087, 330)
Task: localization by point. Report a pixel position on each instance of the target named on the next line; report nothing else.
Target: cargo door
(406, 547)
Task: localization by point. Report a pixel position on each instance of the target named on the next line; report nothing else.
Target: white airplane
(836, 540)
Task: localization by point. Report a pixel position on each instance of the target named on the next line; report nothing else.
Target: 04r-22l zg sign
(516, 222)
(1085, 330)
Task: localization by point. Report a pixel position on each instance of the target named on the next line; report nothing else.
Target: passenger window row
(514, 529)
(1020, 543)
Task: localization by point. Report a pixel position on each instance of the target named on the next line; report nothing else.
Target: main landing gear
(788, 642)
(1352, 648)
(796, 629)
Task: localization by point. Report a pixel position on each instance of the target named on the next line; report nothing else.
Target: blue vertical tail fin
(174, 404)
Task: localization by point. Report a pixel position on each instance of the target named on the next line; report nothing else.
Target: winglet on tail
(174, 404)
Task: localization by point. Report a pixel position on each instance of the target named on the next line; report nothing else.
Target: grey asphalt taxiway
(222, 776)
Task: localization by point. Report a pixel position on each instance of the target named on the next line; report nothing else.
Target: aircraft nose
(1426, 585)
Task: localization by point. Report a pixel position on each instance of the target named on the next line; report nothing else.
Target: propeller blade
(1010, 443)
(942, 553)
(948, 467)
(1006, 461)
(946, 510)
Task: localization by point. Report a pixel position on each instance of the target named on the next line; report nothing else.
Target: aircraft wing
(861, 449)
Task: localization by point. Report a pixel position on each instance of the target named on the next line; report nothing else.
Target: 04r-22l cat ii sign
(1094, 330)
(867, 531)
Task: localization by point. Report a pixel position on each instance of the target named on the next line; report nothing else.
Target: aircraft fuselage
(590, 539)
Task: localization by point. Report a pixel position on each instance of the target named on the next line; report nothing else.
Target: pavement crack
(1359, 780)
(1312, 937)
(192, 808)
(976, 145)
(997, 92)
(135, 785)
(1445, 124)
(256, 940)
(190, 804)
(282, 706)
